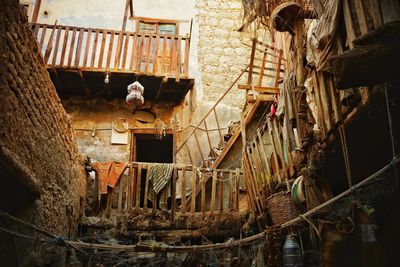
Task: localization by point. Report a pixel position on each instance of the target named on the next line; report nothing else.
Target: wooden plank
(254, 173)
(132, 187)
(173, 193)
(203, 195)
(55, 54)
(221, 138)
(231, 190)
(274, 153)
(260, 78)
(164, 51)
(42, 36)
(324, 100)
(186, 62)
(148, 53)
(179, 59)
(227, 147)
(146, 190)
(36, 30)
(71, 47)
(101, 55)
(213, 190)
(36, 10)
(122, 184)
(87, 46)
(110, 49)
(221, 195)
(251, 65)
(49, 46)
(190, 156)
(183, 192)
(64, 47)
(138, 185)
(237, 185)
(140, 53)
(348, 23)
(171, 56)
(118, 50)
(320, 109)
(134, 54)
(198, 146)
(155, 58)
(260, 89)
(94, 51)
(253, 194)
(79, 47)
(193, 195)
(208, 136)
(125, 51)
(362, 21)
(249, 188)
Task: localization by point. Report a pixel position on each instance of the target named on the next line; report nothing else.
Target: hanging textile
(160, 175)
(108, 174)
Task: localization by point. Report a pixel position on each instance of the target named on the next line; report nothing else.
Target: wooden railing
(108, 50)
(135, 192)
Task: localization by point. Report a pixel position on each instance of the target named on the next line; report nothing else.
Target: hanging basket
(281, 207)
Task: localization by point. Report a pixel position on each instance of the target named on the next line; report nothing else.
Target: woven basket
(281, 207)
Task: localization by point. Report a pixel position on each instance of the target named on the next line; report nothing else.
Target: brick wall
(36, 138)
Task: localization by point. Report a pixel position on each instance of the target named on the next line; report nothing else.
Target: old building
(199, 133)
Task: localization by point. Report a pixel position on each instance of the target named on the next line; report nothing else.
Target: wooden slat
(265, 159)
(237, 184)
(42, 36)
(324, 100)
(274, 153)
(213, 191)
(71, 47)
(79, 47)
(132, 187)
(252, 193)
(118, 51)
(178, 58)
(375, 11)
(218, 126)
(250, 75)
(140, 53)
(101, 55)
(55, 54)
(348, 23)
(120, 193)
(36, 30)
(183, 192)
(254, 173)
(164, 51)
(193, 194)
(125, 51)
(280, 150)
(49, 46)
(87, 46)
(362, 21)
(146, 190)
(94, 51)
(203, 195)
(155, 59)
(221, 195)
(173, 193)
(138, 185)
(134, 53)
(64, 47)
(334, 98)
(110, 49)
(231, 190)
(208, 136)
(36, 9)
(148, 53)
(198, 146)
(260, 78)
(171, 55)
(260, 89)
(186, 62)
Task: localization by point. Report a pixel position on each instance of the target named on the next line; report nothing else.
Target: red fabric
(108, 174)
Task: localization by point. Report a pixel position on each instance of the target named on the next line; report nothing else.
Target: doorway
(148, 148)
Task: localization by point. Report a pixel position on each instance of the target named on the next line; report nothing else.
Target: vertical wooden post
(146, 190)
(237, 184)
(221, 194)
(203, 195)
(213, 189)
(71, 48)
(231, 187)
(183, 191)
(173, 193)
(36, 10)
(121, 191)
(193, 195)
(87, 46)
(79, 47)
(64, 47)
(132, 186)
(138, 185)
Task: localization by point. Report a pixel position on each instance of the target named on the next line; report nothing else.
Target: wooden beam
(36, 10)
(193, 195)
(260, 89)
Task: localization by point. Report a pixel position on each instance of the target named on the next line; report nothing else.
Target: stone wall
(221, 52)
(37, 142)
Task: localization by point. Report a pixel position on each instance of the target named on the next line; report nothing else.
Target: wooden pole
(36, 11)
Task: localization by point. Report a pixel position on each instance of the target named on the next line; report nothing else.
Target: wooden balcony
(159, 61)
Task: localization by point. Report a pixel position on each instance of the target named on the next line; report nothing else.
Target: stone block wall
(37, 142)
(221, 52)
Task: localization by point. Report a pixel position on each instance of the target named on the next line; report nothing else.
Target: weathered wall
(36, 138)
(221, 52)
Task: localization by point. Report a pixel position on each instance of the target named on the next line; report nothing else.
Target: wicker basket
(281, 207)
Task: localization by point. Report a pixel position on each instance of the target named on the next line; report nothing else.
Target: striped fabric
(160, 175)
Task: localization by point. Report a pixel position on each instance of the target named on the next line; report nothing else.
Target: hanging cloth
(108, 174)
(160, 175)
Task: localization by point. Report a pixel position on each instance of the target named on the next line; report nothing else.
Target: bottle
(292, 256)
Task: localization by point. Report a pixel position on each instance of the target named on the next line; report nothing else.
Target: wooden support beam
(138, 185)
(146, 190)
(79, 47)
(260, 89)
(87, 46)
(71, 47)
(213, 191)
(203, 195)
(237, 186)
(183, 192)
(193, 195)
(36, 10)
(218, 126)
(173, 193)
(221, 195)
(94, 51)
